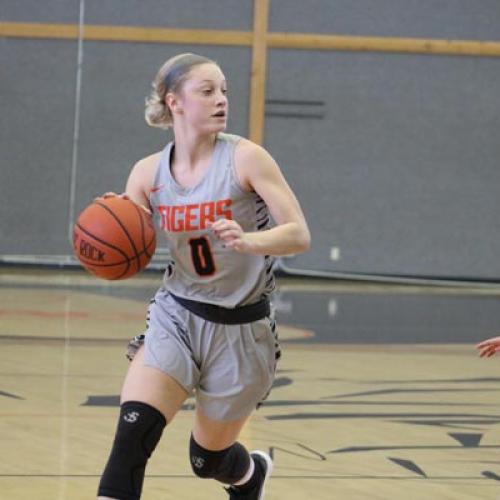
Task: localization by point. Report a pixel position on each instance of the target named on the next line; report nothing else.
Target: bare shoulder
(248, 151)
(144, 170)
(141, 178)
(149, 163)
(252, 160)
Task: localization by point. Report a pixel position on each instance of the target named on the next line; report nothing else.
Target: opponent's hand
(231, 234)
(488, 347)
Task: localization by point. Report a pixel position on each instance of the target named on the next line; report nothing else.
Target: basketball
(114, 238)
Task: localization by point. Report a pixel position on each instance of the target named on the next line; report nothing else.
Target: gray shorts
(229, 368)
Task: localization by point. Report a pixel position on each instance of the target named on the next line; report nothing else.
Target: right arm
(141, 178)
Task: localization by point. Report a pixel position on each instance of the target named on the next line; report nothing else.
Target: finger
(225, 227)
(491, 340)
(484, 343)
(488, 352)
(483, 350)
(112, 194)
(221, 224)
(146, 209)
(104, 196)
(236, 244)
(229, 234)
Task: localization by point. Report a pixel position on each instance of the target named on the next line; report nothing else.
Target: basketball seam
(143, 236)
(148, 245)
(124, 229)
(88, 233)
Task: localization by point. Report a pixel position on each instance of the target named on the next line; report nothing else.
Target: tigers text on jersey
(203, 269)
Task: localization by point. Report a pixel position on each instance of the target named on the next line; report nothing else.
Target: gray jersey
(203, 269)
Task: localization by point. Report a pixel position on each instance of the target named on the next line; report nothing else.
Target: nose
(221, 97)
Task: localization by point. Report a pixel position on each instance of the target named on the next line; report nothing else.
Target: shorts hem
(189, 390)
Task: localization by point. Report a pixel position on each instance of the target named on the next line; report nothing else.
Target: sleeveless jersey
(202, 268)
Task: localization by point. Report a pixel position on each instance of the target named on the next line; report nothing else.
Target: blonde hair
(169, 78)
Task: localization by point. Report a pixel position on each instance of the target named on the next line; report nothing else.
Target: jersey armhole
(159, 181)
(234, 172)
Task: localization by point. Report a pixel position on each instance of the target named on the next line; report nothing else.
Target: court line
(84, 284)
(274, 476)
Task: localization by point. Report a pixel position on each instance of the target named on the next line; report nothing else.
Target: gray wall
(396, 160)
(38, 92)
(394, 157)
(399, 168)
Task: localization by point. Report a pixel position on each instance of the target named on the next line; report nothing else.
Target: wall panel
(399, 170)
(193, 14)
(37, 93)
(455, 19)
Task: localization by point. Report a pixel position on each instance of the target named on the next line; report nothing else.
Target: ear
(172, 101)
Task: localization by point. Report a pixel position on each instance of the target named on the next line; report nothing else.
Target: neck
(191, 148)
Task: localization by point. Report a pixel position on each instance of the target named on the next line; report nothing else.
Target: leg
(152, 386)
(215, 454)
(216, 434)
(227, 394)
(149, 400)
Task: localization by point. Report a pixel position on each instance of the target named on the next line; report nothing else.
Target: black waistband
(217, 314)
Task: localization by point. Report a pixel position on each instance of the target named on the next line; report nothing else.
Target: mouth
(220, 114)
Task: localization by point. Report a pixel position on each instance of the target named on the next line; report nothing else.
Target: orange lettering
(221, 204)
(177, 218)
(164, 210)
(191, 216)
(207, 212)
(178, 223)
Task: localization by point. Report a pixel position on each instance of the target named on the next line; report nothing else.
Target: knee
(227, 466)
(139, 430)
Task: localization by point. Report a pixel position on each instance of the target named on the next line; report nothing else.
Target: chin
(218, 128)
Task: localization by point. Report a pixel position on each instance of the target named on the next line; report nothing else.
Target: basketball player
(489, 347)
(210, 328)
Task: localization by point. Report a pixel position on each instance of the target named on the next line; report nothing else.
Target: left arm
(258, 171)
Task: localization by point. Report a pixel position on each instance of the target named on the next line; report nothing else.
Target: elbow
(304, 242)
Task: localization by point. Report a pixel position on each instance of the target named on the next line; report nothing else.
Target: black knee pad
(138, 432)
(227, 466)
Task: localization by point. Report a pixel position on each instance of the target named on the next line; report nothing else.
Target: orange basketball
(114, 238)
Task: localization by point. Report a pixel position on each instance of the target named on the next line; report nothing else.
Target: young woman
(210, 328)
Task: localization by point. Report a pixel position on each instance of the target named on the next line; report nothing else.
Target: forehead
(203, 72)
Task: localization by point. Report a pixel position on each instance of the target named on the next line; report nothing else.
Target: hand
(111, 194)
(124, 196)
(231, 234)
(488, 347)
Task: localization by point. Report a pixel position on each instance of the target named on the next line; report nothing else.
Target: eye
(206, 91)
(224, 91)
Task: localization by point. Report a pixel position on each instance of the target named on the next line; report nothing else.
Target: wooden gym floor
(379, 395)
